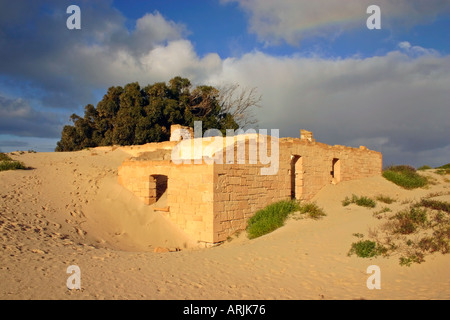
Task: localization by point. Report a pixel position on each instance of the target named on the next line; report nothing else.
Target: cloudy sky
(315, 63)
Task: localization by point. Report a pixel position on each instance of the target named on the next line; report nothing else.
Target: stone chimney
(179, 132)
(306, 135)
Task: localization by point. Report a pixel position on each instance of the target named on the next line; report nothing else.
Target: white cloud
(397, 103)
(292, 20)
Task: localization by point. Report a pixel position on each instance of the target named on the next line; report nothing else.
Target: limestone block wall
(212, 201)
(239, 191)
(305, 167)
(189, 192)
(322, 164)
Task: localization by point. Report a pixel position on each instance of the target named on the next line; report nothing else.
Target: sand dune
(70, 210)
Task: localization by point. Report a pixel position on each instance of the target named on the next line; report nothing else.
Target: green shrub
(445, 166)
(405, 176)
(434, 204)
(401, 168)
(409, 220)
(5, 157)
(424, 168)
(385, 199)
(312, 210)
(11, 165)
(366, 202)
(366, 249)
(443, 171)
(382, 210)
(360, 201)
(433, 244)
(347, 201)
(413, 258)
(6, 163)
(270, 218)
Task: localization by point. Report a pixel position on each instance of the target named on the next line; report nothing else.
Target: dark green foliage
(133, 115)
(424, 168)
(405, 176)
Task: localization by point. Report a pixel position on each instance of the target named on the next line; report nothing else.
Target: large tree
(133, 115)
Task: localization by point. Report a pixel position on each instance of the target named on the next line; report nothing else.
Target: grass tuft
(312, 210)
(360, 201)
(274, 216)
(270, 218)
(385, 199)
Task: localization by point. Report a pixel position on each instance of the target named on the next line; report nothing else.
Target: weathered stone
(211, 201)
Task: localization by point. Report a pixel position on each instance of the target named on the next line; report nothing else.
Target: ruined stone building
(214, 185)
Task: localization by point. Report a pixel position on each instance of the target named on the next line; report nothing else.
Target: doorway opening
(296, 177)
(157, 187)
(335, 170)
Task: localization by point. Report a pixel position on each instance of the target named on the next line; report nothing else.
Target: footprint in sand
(80, 232)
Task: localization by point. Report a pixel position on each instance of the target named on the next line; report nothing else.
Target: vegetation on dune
(412, 233)
(443, 170)
(270, 218)
(312, 210)
(274, 216)
(385, 199)
(366, 249)
(424, 168)
(405, 176)
(6, 163)
(360, 201)
(132, 115)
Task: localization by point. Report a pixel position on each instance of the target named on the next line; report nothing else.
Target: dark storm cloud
(18, 118)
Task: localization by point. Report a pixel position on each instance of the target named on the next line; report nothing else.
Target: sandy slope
(69, 210)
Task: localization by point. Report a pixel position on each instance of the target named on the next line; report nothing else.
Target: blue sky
(315, 63)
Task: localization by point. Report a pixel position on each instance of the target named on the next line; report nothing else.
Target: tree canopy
(133, 115)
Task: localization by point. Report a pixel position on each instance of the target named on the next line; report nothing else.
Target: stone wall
(210, 202)
(305, 167)
(189, 203)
